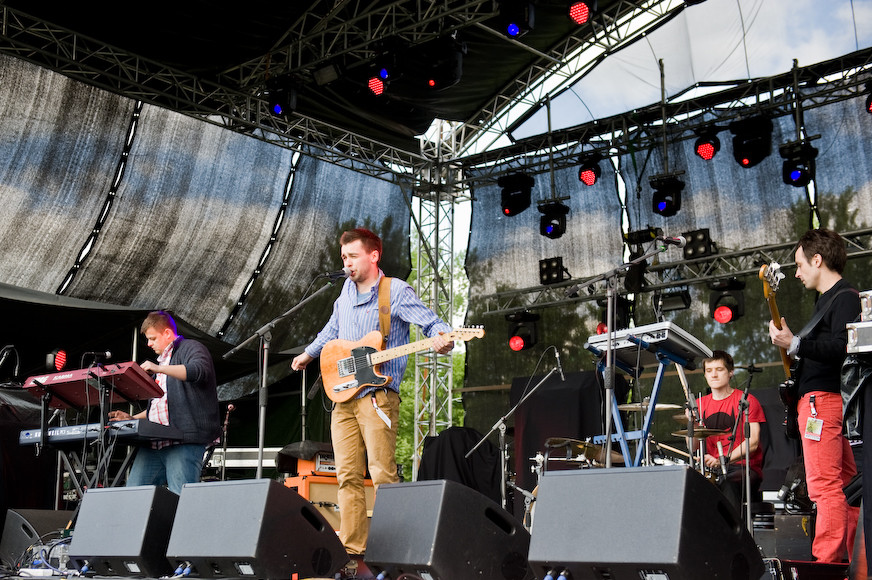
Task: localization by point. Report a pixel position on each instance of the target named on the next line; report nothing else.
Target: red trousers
(829, 466)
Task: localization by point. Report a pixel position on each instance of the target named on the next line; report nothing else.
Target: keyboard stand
(664, 358)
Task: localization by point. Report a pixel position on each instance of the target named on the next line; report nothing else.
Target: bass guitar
(771, 275)
(348, 366)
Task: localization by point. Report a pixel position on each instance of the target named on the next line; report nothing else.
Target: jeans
(173, 466)
(359, 434)
(829, 466)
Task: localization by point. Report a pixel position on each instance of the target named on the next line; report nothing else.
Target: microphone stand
(501, 425)
(611, 279)
(265, 336)
(746, 431)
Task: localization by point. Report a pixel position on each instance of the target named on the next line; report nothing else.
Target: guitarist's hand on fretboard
(441, 345)
(781, 337)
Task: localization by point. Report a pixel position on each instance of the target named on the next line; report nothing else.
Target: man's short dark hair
(720, 355)
(159, 320)
(370, 241)
(828, 244)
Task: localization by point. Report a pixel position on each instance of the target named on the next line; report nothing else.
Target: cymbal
(644, 407)
(680, 418)
(590, 451)
(701, 432)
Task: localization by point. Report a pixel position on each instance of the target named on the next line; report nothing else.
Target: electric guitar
(348, 366)
(771, 275)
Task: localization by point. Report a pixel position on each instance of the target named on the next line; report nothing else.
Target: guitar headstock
(772, 276)
(466, 333)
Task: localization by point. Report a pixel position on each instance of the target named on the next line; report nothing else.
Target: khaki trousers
(360, 434)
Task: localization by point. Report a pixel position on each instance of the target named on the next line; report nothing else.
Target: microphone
(679, 241)
(343, 273)
(721, 458)
(101, 354)
(559, 366)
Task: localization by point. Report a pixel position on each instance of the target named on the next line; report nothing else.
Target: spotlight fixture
(376, 85)
(670, 299)
(798, 166)
(589, 169)
(727, 300)
(699, 244)
(517, 18)
(282, 95)
(56, 360)
(639, 237)
(552, 223)
(551, 271)
(666, 200)
(707, 145)
(522, 330)
(580, 11)
(516, 197)
(869, 97)
(752, 140)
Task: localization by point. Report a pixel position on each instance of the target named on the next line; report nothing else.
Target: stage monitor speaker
(24, 528)
(443, 530)
(124, 531)
(643, 522)
(254, 528)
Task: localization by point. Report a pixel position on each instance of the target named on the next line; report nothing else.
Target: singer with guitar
(721, 410)
(819, 349)
(364, 427)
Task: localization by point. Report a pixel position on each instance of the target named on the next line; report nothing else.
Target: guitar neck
(776, 319)
(403, 350)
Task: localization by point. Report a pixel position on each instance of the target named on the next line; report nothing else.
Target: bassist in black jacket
(819, 352)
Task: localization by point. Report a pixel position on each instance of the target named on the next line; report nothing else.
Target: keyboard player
(186, 374)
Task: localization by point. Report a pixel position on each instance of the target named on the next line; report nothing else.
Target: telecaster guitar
(348, 366)
(771, 275)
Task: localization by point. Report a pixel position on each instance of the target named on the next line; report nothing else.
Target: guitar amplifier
(859, 337)
(322, 492)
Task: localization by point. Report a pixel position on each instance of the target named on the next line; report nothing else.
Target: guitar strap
(384, 308)
(820, 313)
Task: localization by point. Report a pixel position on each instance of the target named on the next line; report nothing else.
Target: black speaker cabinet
(24, 528)
(641, 522)
(443, 530)
(123, 531)
(252, 528)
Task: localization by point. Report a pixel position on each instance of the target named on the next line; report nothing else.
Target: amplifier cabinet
(322, 490)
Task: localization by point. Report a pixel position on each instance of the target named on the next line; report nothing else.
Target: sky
(718, 40)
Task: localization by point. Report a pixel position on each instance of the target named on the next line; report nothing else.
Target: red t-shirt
(722, 414)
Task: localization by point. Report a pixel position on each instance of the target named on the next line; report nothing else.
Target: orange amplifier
(306, 458)
(321, 491)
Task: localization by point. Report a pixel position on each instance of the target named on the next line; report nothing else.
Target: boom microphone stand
(265, 336)
(611, 279)
(744, 412)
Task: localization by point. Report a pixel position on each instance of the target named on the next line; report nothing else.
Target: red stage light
(707, 146)
(587, 176)
(376, 85)
(723, 314)
(431, 83)
(517, 343)
(56, 360)
(601, 328)
(579, 12)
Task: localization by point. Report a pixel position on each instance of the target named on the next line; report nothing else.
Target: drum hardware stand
(265, 335)
(744, 412)
(500, 426)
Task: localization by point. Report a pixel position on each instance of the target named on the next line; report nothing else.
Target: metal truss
(609, 30)
(818, 85)
(245, 111)
(434, 220)
(665, 275)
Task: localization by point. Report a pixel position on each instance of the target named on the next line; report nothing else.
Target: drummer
(720, 410)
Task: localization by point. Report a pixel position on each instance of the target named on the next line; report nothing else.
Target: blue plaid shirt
(354, 317)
